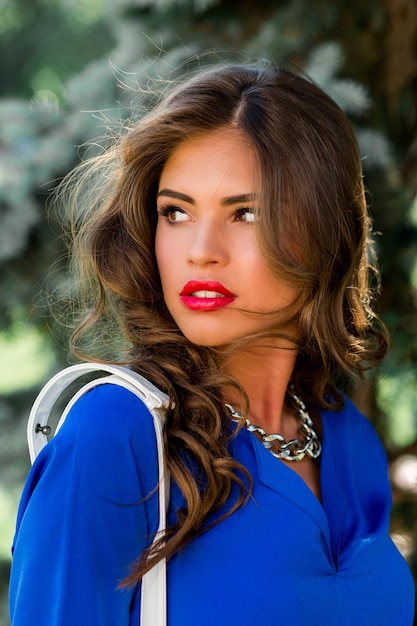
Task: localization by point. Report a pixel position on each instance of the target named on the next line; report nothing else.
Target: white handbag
(153, 598)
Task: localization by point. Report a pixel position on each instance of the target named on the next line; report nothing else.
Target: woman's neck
(264, 373)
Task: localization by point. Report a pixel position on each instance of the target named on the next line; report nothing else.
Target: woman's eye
(245, 215)
(173, 214)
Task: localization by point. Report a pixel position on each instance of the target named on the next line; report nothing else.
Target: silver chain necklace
(293, 450)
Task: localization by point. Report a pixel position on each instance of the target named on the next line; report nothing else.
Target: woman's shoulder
(109, 431)
(93, 493)
(353, 428)
(109, 409)
(356, 448)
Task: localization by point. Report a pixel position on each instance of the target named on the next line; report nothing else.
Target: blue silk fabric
(89, 508)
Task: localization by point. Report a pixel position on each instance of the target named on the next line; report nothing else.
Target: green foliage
(323, 65)
(23, 168)
(41, 36)
(291, 29)
(161, 6)
(25, 351)
(397, 393)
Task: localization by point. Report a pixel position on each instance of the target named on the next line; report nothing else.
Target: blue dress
(284, 558)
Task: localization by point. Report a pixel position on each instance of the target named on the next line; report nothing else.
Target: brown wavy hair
(312, 196)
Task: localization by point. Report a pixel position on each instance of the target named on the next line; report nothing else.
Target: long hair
(313, 230)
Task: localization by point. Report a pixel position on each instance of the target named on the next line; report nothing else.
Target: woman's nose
(208, 244)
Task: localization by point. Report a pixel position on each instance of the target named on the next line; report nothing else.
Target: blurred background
(71, 70)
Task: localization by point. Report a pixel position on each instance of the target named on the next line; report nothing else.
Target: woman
(227, 234)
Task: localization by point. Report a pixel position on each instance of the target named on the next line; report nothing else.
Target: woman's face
(215, 281)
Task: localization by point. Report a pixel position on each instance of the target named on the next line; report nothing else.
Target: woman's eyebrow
(176, 195)
(241, 198)
(230, 200)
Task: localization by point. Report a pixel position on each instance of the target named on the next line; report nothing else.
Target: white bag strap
(153, 595)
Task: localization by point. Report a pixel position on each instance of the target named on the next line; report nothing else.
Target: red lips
(205, 295)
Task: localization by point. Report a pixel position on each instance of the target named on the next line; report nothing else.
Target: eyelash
(239, 213)
(243, 211)
(165, 211)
